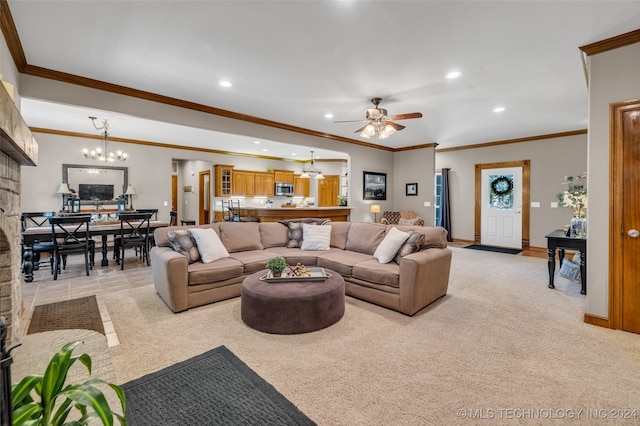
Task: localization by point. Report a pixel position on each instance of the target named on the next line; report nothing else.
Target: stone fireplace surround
(17, 148)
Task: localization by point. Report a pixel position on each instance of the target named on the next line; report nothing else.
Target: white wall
(613, 77)
(415, 166)
(551, 160)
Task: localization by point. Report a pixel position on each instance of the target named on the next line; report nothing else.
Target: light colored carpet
(500, 345)
(499, 341)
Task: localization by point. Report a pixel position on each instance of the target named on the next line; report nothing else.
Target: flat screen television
(95, 191)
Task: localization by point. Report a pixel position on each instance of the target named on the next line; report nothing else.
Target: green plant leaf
(21, 392)
(90, 396)
(25, 413)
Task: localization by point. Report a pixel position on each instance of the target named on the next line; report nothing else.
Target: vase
(578, 226)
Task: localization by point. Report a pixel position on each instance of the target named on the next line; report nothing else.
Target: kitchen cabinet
(300, 186)
(223, 176)
(243, 183)
(283, 176)
(264, 184)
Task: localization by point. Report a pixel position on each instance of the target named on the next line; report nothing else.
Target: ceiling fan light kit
(380, 123)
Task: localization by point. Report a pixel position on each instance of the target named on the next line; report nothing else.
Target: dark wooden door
(625, 228)
(174, 193)
(204, 195)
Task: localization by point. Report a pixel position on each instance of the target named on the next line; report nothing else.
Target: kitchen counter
(277, 213)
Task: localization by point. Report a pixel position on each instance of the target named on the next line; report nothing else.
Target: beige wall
(551, 160)
(415, 166)
(613, 77)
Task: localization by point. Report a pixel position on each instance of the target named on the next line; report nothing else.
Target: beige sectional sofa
(408, 286)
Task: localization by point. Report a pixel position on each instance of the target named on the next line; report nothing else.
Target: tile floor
(73, 283)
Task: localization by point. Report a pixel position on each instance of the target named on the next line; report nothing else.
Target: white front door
(501, 212)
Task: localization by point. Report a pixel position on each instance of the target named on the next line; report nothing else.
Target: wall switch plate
(554, 204)
(535, 204)
(427, 203)
(166, 203)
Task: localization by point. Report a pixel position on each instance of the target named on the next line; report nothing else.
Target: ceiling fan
(379, 122)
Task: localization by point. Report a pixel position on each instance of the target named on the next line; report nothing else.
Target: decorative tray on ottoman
(315, 274)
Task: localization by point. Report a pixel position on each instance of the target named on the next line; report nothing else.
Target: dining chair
(38, 219)
(134, 232)
(231, 211)
(153, 211)
(173, 218)
(70, 235)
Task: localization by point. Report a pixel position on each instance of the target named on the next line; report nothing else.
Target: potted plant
(47, 400)
(342, 200)
(276, 265)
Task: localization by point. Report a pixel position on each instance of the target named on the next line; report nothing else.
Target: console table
(559, 240)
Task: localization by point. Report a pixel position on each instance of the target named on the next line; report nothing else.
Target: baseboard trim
(597, 320)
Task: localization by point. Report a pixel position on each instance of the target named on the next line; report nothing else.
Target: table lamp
(64, 190)
(375, 209)
(131, 192)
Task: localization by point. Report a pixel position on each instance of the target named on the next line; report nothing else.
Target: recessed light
(293, 154)
(499, 109)
(225, 83)
(328, 115)
(256, 142)
(265, 150)
(454, 74)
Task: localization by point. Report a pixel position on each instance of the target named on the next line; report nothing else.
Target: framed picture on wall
(374, 186)
(412, 189)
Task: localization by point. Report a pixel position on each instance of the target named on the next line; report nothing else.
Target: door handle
(633, 233)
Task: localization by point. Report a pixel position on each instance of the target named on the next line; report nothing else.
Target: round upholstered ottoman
(291, 308)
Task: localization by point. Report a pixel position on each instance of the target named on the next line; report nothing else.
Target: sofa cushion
(209, 244)
(220, 270)
(240, 236)
(365, 237)
(160, 234)
(315, 237)
(295, 255)
(387, 249)
(342, 261)
(295, 229)
(412, 245)
(253, 260)
(434, 236)
(379, 273)
(339, 232)
(182, 242)
(273, 234)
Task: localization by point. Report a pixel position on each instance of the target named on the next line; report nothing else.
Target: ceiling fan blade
(406, 116)
(360, 129)
(396, 125)
(347, 121)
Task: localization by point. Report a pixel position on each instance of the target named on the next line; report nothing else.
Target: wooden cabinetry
(243, 183)
(283, 176)
(300, 186)
(264, 184)
(223, 176)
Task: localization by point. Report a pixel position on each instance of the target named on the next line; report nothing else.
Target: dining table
(96, 229)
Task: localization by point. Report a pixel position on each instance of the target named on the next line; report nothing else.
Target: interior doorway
(204, 197)
(497, 183)
(174, 193)
(624, 224)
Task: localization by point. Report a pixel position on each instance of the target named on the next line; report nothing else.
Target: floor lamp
(375, 209)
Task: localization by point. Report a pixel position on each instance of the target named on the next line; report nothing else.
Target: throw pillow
(412, 245)
(209, 244)
(390, 245)
(295, 229)
(316, 237)
(409, 222)
(182, 242)
(569, 270)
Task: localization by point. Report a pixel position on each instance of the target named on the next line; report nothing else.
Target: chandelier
(102, 153)
(311, 169)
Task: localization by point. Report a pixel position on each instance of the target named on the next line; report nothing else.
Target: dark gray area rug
(495, 249)
(214, 388)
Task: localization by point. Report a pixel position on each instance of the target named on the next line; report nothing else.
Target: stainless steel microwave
(283, 189)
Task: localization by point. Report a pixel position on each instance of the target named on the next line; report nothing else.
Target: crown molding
(517, 140)
(611, 43)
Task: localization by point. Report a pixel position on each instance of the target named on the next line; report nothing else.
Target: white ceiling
(295, 61)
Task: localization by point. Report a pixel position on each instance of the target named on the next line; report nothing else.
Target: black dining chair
(153, 211)
(70, 235)
(173, 218)
(38, 219)
(134, 232)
